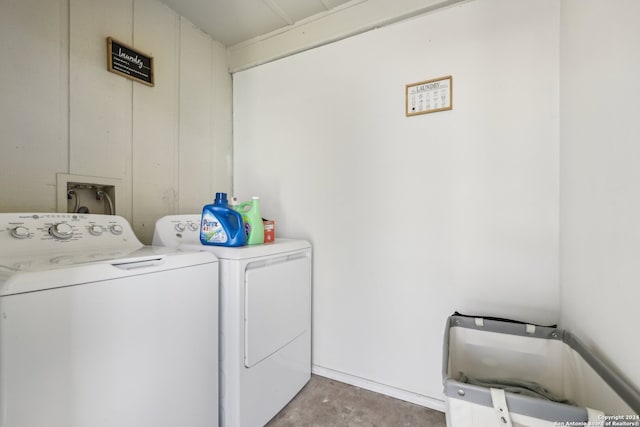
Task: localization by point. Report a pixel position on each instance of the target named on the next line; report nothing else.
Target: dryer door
(277, 304)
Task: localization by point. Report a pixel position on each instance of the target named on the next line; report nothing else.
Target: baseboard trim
(407, 396)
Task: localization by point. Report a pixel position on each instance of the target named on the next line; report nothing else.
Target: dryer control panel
(176, 230)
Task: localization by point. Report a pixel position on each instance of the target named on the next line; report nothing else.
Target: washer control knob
(116, 229)
(20, 232)
(61, 231)
(180, 227)
(193, 226)
(96, 230)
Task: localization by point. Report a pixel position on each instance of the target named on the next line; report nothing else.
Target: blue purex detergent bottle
(221, 225)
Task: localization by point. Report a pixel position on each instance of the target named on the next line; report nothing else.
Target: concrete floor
(324, 402)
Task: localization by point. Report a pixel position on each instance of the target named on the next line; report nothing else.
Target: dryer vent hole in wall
(90, 198)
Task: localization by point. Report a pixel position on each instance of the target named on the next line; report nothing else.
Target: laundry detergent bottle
(252, 220)
(221, 225)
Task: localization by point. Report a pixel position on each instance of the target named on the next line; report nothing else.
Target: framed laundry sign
(429, 96)
(130, 63)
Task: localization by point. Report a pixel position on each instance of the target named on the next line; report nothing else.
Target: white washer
(265, 320)
(98, 330)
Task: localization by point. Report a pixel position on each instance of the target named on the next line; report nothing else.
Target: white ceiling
(233, 21)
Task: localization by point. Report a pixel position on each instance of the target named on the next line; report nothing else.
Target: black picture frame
(129, 62)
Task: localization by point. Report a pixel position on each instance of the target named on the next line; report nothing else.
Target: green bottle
(252, 220)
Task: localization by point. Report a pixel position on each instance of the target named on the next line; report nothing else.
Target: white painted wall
(33, 103)
(61, 111)
(346, 20)
(600, 179)
(412, 218)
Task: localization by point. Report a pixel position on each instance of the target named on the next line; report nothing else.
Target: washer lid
(28, 274)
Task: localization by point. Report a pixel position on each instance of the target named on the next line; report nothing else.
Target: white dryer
(265, 320)
(98, 330)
